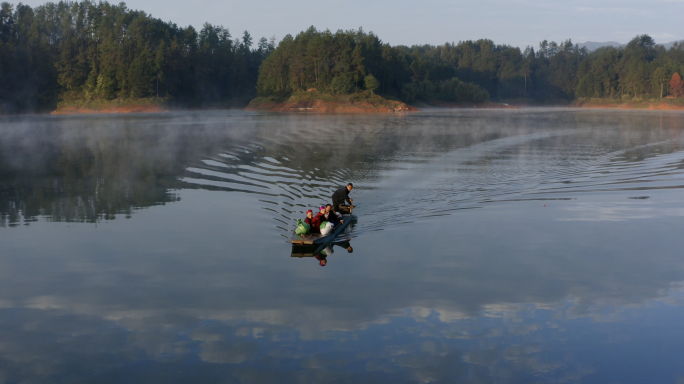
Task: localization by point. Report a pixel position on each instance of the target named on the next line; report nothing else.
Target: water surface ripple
(435, 167)
(490, 246)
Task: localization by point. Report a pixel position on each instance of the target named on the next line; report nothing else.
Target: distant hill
(671, 43)
(592, 45)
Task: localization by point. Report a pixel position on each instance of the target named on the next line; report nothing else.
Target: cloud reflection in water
(204, 286)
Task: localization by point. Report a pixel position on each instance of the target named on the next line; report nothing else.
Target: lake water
(489, 246)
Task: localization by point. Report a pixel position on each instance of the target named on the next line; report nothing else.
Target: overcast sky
(513, 22)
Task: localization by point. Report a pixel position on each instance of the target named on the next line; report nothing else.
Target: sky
(401, 22)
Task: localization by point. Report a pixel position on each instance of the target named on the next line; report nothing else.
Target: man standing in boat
(341, 196)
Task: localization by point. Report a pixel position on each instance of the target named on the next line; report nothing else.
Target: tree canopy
(101, 51)
(87, 50)
(469, 71)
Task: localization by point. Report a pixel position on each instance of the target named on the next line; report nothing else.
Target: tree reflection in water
(511, 292)
(83, 173)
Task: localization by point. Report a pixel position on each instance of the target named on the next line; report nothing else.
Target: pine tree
(659, 77)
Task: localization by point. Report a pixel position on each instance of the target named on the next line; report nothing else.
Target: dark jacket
(340, 196)
(332, 218)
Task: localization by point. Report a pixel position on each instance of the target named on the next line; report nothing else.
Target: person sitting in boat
(317, 220)
(309, 220)
(341, 196)
(331, 216)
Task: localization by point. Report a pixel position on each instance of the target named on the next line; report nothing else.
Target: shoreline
(83, 107)
(109, 110)
(306, 104)
(370, 107)
(484, 105)
(666, 104)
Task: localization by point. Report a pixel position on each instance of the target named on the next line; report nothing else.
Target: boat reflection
(321, 252)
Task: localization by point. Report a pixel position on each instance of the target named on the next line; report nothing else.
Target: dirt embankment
(321, 106)
(667, 104)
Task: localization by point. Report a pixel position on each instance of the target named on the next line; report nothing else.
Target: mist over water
(145, 248)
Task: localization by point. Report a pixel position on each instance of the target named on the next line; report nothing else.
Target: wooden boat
(317, 238)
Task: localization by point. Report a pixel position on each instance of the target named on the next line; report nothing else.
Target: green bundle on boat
(302, 227)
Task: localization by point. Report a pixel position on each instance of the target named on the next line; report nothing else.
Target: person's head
(323, 262)
(349, 187)
(321, 209)
(328, 208)
(309, 213)
(350, 249)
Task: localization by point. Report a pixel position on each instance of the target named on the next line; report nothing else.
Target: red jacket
(316, 223)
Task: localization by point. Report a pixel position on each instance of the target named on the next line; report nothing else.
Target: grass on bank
(101, 104)
(314, 95)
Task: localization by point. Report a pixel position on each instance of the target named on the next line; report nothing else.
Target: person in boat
(331, 216)
(309, 220)
(341, 196)
(317, 220)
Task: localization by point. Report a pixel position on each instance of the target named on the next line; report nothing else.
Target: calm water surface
(153, 248)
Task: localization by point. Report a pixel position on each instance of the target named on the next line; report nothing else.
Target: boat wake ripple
(404, 175)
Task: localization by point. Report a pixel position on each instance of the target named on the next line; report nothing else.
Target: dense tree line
(87, 50)
(99, 51)
(640, 69)
(342, 62)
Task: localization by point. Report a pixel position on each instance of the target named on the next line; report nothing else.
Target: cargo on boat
(317, 238)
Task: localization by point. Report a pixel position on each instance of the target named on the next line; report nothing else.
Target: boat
(317, 238)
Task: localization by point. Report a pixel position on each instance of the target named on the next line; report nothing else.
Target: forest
(469, 71)
(69, 51)
(75, 51)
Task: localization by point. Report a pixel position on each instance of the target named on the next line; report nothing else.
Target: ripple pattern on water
(404, 172)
